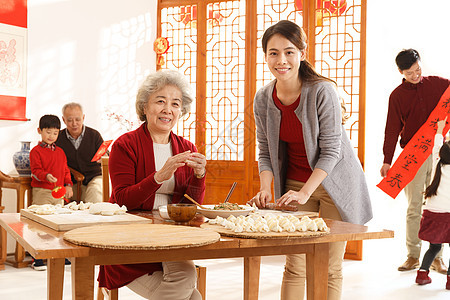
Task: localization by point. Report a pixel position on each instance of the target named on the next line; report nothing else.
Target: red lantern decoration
(58, 192)
(325, 8)
(160, 46)
(188, 15)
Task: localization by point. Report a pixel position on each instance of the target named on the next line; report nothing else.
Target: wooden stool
(105, 294)
(22, 185)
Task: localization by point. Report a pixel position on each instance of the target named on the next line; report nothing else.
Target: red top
(132, 170)
(291, 132)
(45, 160)
(410, 106)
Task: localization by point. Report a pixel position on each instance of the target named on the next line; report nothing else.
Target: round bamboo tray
(141, 236)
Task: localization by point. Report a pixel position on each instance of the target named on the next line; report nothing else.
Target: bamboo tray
(141, 236)
(262, 235)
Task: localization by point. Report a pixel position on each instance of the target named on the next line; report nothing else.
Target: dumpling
(231, 218)
(275, 227)
(288, 226)
(321, 225)
(312, 226)
(238, 228)
(301, 226)
(249, 228)
(306, 219)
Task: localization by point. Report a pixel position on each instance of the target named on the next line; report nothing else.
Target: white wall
(97, 52)
(393, 26)
(92, 52)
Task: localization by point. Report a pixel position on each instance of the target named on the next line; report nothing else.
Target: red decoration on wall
(160, 46)
(13, 14)
(188, 15)
(325, 8)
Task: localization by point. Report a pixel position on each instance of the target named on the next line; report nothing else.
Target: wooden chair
(79, 179)
(104, 293)
(3, 249)
(3, 253)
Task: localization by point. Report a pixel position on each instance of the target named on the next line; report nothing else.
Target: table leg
(19, 254)
(55, 278)
(82, 278)
(3, 248)
(317, 272)
(251, 277)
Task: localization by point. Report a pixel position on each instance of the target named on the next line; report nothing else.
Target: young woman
(435, 223)
(304, 149)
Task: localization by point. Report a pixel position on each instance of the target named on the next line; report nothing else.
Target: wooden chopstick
(193, 201)
(230, 192)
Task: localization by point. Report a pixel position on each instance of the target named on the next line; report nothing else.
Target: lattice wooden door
(216, 44)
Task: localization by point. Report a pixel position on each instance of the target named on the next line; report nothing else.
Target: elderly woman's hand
(171, 165)
(197, 162)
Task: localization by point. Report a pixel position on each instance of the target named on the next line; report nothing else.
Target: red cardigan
(132, 170)
(44, 161)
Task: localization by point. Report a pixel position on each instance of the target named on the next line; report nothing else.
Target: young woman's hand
(261, 198)
(197, 162)
(299, 197)
(171, 165)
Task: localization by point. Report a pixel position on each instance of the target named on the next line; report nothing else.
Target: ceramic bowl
(181, 212)
(163, 212)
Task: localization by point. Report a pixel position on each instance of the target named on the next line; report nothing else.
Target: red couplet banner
(417, 150)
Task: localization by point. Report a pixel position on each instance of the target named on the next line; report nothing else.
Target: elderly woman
(149, 167)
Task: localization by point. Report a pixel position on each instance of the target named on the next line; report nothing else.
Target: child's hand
(69, 192)
(441, 125)
(51, 178)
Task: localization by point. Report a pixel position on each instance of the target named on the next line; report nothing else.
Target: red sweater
(43, 161)
(291, 132)
(409, 107)
(132, 170)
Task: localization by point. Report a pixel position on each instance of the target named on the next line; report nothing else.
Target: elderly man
(80, 143)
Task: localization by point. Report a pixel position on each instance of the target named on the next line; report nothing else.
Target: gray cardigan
(326, 142)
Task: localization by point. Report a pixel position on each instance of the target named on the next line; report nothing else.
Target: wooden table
(45, 243)
(22, 185)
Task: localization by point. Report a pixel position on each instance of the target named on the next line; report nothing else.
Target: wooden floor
(374, 278)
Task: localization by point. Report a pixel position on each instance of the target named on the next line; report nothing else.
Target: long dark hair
(444, 154)
(296, 36)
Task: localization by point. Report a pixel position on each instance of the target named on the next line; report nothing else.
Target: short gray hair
(72, 105)
(158, 80)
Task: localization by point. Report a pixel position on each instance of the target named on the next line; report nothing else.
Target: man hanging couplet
(417, 150)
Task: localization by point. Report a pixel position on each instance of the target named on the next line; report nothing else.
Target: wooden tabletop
(43, 242)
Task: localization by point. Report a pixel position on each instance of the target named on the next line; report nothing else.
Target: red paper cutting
(417, 150)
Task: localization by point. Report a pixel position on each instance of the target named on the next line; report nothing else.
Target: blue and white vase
(21, 159)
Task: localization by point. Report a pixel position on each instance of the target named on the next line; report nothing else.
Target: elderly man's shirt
(409, 107)
(76, 142)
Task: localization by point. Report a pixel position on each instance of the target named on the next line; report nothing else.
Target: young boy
(48, 169)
